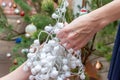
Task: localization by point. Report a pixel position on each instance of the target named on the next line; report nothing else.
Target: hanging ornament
(16, 11)
(10, 4)
(98, 65)
(83, 11)
(18, 40)
(18, 21)
(15, 62)
(14, 5)
(30, 29)
(22, 13)
(8, 55)
(3, 4)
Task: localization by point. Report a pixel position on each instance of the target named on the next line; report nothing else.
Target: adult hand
(79, 32)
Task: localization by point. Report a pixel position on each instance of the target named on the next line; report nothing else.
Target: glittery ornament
(10, 4)
(3, 4)
(15, 62)
(8, 55)
(30, 29)
(14, 5)
(16, 11)
(22, 13)
(18, 21)
(98, 65)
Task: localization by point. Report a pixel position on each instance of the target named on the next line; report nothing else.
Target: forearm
(107, 13)
(18, 74)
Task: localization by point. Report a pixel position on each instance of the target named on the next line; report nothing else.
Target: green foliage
(69, 15)
(98, 3)
(48, 6)
(23, 4)
(3, 19)
(40, 21)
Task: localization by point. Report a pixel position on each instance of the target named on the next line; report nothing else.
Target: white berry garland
(52, 61)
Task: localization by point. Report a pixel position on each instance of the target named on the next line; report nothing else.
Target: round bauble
(16, 11)
(18, 21)
(30, 29)
(22, 13)
(3, 4)
(15, 62)
(8, 55)
(14, 5)
(10, 4)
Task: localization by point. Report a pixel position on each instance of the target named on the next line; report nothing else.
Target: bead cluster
(51, 61)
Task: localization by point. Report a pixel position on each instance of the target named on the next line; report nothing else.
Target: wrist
(98, 19)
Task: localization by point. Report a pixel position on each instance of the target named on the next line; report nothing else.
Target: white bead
(63, 9)
(59, 78)
(67, 74)
(56, 30)
(56, 48)
(48, 64)
(33, 71)
(48, 28)
(65, 68)
(51, 42)
(73, 65)
(54, 74)
(73, 58)
(45, 77)
(82, 76)
(51, 58)
(31, 77)
(70, 50)
(77, 52)
(60, 25)
(44, 61)
(65, 61)
(28, 63)
(29, 55)
(35, 63)
(54, 16)
(31, 50)
(36, 42)
(44, 70)
(43, 55)
(78, 62)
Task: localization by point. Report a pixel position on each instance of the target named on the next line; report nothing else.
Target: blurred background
(15, 40)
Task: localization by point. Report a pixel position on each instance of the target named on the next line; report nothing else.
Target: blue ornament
(18, 40)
